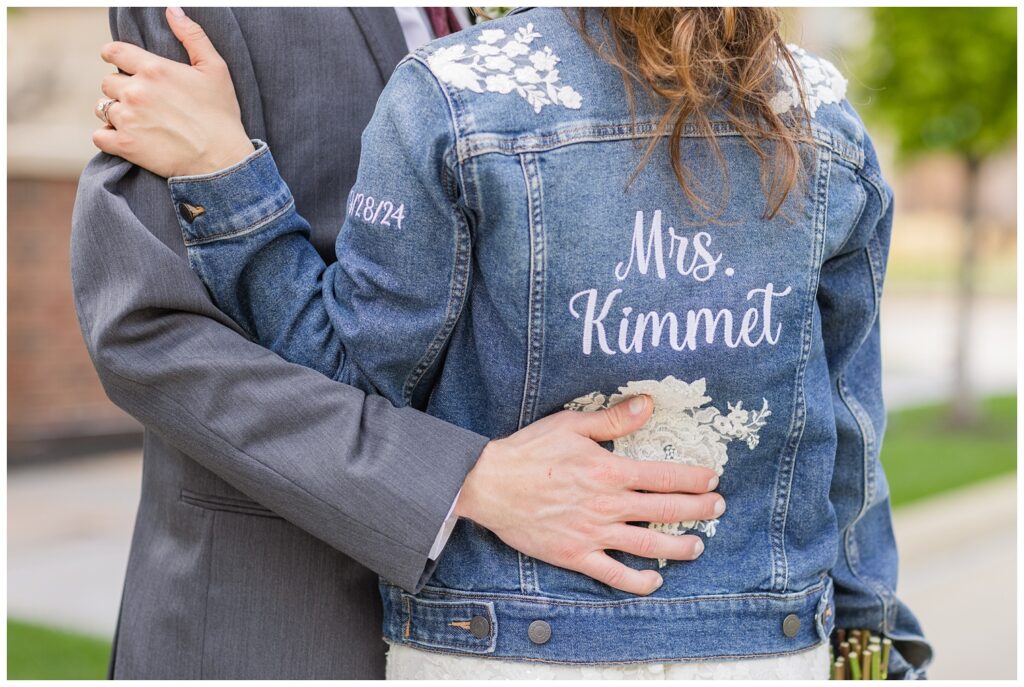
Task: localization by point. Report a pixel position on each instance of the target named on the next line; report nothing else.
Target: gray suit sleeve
(373, 481)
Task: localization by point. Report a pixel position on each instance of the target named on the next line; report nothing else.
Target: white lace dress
(407, 663)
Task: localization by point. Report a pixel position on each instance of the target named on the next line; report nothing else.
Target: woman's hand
(170, 118)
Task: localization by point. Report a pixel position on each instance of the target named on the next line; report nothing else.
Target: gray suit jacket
(271, 494)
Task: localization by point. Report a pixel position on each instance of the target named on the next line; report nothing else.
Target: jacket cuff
(232, 201)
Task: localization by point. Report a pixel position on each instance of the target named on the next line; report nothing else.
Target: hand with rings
(170, 118)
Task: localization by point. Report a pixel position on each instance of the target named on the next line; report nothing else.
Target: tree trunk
(965, 404)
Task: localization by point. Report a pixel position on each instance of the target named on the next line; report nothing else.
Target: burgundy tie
(442, 20)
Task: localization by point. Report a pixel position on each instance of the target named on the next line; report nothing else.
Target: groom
(272, 496)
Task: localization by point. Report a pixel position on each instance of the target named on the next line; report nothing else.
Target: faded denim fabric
(495, 265)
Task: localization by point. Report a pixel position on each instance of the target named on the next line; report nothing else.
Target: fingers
(192, 36)
(129, 58)
(647, 543)
(672, 507)
(113, 85)
(611, 423)
(609, 571)
(107, 140)
(664, 476)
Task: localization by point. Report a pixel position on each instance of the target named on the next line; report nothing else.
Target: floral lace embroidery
(512, 66)
(822, 83)
(681, 430)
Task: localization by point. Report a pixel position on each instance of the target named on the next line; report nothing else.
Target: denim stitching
(787, 462)
(869, 441)
(459, 285)
(458, 288)
(428, 591)
(849, 542)
(480, 144)
(235, 233)
(455, 107)
(535, 317)
(440, 605)
(856, 222)
(817, 595)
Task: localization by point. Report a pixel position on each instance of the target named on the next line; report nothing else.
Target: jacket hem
(637, 630)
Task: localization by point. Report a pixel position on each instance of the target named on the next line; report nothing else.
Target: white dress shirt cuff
(446, 531)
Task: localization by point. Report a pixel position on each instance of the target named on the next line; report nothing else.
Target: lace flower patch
(683, 429)
(499, 64)
(822, 83)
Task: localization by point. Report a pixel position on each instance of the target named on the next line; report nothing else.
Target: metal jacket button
(539, 632)
(479, 626)
(190, 212)
(791, 625)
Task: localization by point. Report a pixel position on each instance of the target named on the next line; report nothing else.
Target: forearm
(250, 247)
(373, 481)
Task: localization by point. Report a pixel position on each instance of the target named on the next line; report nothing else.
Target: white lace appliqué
(498, 64)
(683, 429)
(822, 83)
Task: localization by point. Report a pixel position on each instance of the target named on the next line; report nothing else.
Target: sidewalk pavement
(69, 527)
(958, 573)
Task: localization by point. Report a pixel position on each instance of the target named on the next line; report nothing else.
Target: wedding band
(102, 107)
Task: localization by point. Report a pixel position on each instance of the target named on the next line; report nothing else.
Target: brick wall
(53, 393)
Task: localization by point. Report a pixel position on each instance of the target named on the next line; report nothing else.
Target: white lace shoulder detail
(683, 429)
(503, 64)
(821, 81)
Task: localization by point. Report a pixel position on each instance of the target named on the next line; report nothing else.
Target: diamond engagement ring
(102, 107)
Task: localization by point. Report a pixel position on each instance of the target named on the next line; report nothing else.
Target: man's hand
(552, 492)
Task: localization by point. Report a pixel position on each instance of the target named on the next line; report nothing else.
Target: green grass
(923, 455)
(41, 653)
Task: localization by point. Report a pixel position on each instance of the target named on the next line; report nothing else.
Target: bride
(562, 209)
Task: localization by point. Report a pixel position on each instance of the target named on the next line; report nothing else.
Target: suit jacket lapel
(383, 35)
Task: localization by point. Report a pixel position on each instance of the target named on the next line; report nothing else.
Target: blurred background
(937, 88)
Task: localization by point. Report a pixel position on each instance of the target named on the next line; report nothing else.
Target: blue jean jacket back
(496, 266)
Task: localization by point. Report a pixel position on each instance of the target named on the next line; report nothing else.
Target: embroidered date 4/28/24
(376, 210)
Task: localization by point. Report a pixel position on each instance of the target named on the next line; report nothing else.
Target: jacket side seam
(458, 289)
(787, 463)
(869, 441)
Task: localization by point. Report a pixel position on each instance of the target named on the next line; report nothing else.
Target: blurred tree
(945, 79)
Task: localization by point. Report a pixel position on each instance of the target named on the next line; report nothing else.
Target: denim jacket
(497, 265)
